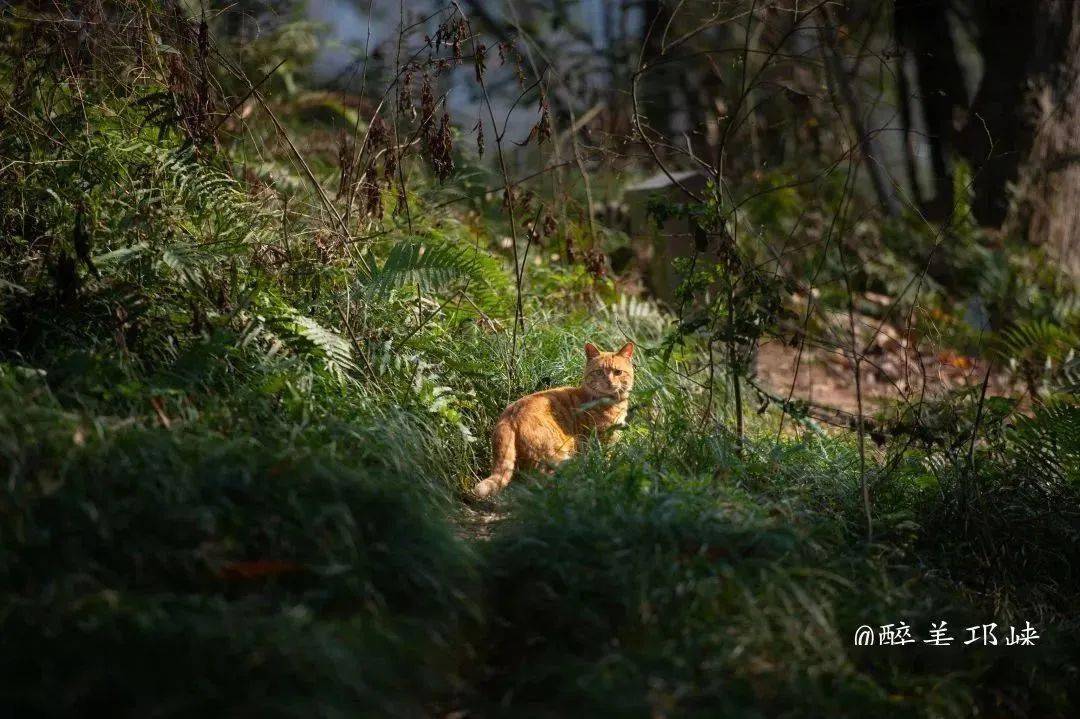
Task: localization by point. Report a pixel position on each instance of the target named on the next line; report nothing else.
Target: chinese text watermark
(939, 635)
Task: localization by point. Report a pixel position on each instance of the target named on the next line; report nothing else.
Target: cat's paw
(485, 488)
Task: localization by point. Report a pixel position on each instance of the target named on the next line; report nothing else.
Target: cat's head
(609, 374)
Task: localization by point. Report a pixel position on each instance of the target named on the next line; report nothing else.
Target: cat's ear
(627, 350)
(590, 351)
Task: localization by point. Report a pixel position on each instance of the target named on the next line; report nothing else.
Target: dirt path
(896, 367)
(476, 523)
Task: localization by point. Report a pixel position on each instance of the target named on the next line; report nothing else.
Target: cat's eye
(616, 372)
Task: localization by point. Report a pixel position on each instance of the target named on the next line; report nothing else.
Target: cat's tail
(504, 455)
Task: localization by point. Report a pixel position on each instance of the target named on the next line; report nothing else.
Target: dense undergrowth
(234, 443)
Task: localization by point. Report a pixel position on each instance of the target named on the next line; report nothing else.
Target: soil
(896, 367)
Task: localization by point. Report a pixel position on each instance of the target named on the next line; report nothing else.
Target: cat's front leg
(612, 433)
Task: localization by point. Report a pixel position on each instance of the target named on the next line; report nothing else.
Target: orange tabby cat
(545, 428)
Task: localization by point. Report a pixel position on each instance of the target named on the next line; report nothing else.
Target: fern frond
(438, 266)
(1035, 340)
(637, 316)
(432, 267)
(336, 351)
(185, 263)
(1049, 441)
(220, 205)
(276, 327)
(1070, 374)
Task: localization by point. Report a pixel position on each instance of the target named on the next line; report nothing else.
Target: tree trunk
(922, 28)
(997, 135)
(835, 69)
(1022, 130)
(1047, 207)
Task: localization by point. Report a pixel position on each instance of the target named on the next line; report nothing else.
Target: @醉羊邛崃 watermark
(939, 634)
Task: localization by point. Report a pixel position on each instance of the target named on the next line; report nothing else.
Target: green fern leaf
(1049, 441)
(437, 266)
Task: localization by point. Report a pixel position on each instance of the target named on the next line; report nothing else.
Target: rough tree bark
(1047, 207)
(1021, 134)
